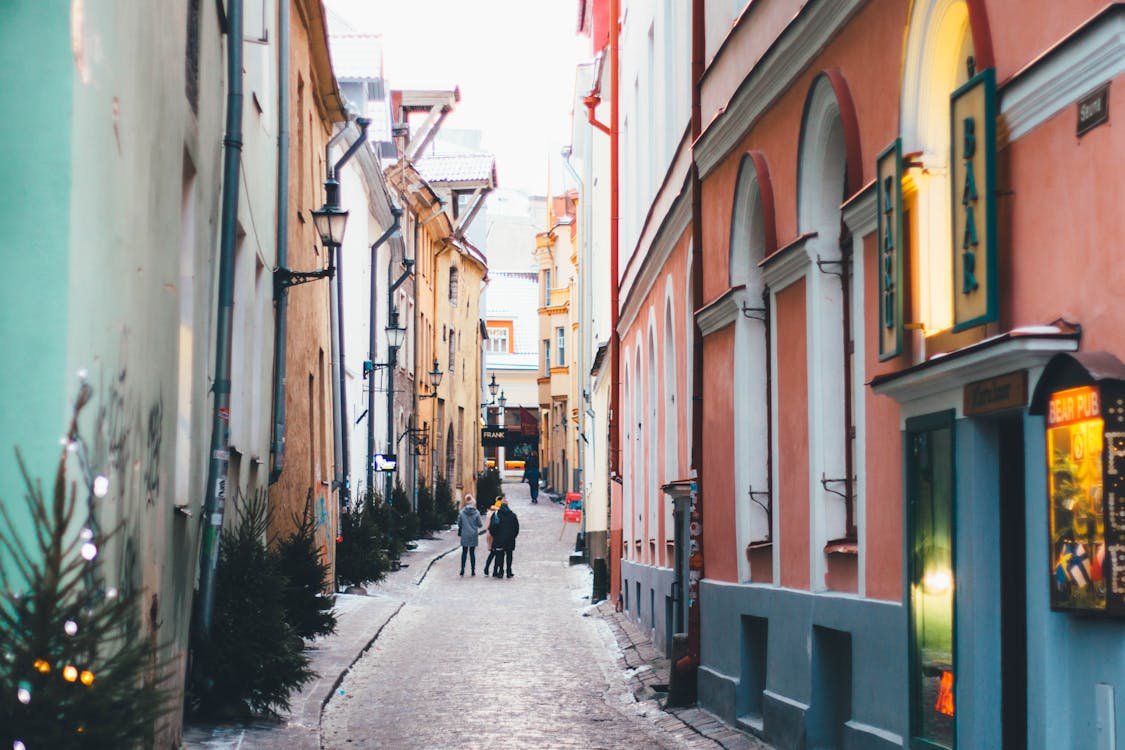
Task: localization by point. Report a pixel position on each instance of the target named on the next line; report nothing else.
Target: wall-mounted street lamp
(435, 380)
(493, 386)
(395, 335)
(330, 222)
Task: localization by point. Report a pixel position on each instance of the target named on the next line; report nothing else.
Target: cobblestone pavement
(441, 661)
(476, 662)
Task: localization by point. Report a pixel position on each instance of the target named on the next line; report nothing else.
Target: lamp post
(395, 338)
(435, 380)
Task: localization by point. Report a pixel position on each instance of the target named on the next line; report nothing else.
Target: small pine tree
(360, 555)
(75, 669)
(427, 514)
(407, 525)
(253, 658)
(298, 557)
(444, 507)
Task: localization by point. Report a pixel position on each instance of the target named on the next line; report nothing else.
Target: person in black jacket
(504, 538)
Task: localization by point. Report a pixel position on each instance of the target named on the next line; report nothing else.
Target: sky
(514, 61)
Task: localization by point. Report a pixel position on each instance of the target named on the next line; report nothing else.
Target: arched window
(752, 238)
(671, 419)
(638, 472)
(939, 51)
(823, 187)
(653, 418)
(628, 488)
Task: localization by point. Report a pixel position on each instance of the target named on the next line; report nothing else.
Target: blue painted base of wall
(804, 670)
(653, 610)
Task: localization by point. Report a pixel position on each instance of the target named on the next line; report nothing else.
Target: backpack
(494, 522)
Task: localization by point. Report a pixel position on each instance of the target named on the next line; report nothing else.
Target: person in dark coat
(469, 528)
(531, 476)
(493, 520)
(504, 538)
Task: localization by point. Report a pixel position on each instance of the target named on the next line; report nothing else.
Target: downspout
(281, 293)
(698, 43)
(373, 347)
(592, 100)
(332, 189)
(219, 456)
(392, 362)
(614, 241)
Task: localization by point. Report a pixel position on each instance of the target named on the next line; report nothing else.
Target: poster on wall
(1086, 491)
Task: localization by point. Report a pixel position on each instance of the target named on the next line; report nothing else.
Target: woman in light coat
(469, 527)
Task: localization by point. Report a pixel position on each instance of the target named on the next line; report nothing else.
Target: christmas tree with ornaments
(76, 671)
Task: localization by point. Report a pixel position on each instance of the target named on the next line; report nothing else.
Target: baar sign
(972, 171)
(1082, 397)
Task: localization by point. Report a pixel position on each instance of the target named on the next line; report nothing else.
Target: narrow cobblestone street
(481, 662)
(430, 659)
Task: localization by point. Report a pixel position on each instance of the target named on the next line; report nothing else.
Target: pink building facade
(899, 523)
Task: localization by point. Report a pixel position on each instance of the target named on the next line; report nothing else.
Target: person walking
(531, 476)
(504, 536)
(469, 528)
(493, 522)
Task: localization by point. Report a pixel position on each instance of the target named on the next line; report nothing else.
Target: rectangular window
(498, 339)
(929, 445)
(560, 338)
(547, 287)
(546, 356)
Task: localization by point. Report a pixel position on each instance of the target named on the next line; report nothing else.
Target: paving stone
(431, 659)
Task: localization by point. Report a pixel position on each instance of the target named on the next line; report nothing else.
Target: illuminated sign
(888, 183)
(972, 171)
(385, 462)
(1086, 489)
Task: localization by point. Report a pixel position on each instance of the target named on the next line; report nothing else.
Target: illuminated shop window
(1077, 514)
(930, 508)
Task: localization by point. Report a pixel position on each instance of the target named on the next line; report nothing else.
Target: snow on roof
(464, 167)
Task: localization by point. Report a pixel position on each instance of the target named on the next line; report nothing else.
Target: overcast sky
(513, 59)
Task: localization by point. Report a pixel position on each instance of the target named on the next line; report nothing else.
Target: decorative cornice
(800, 42)
(720, 312)
(861, 212)
(1092, 55)
(788, 264)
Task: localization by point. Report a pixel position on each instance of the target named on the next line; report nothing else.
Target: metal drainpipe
(581, 344)
(373, 347)
(332, 188)
(219, 457)
(281, 294)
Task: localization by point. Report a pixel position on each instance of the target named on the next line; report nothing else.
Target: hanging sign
(972, 171)
(888, 181)
(493, 437)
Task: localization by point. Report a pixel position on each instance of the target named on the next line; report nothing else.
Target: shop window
(929, 461)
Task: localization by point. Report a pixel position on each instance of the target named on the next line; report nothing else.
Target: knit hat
(495, 505)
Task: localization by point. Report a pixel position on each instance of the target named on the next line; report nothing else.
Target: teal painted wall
(35, 178)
